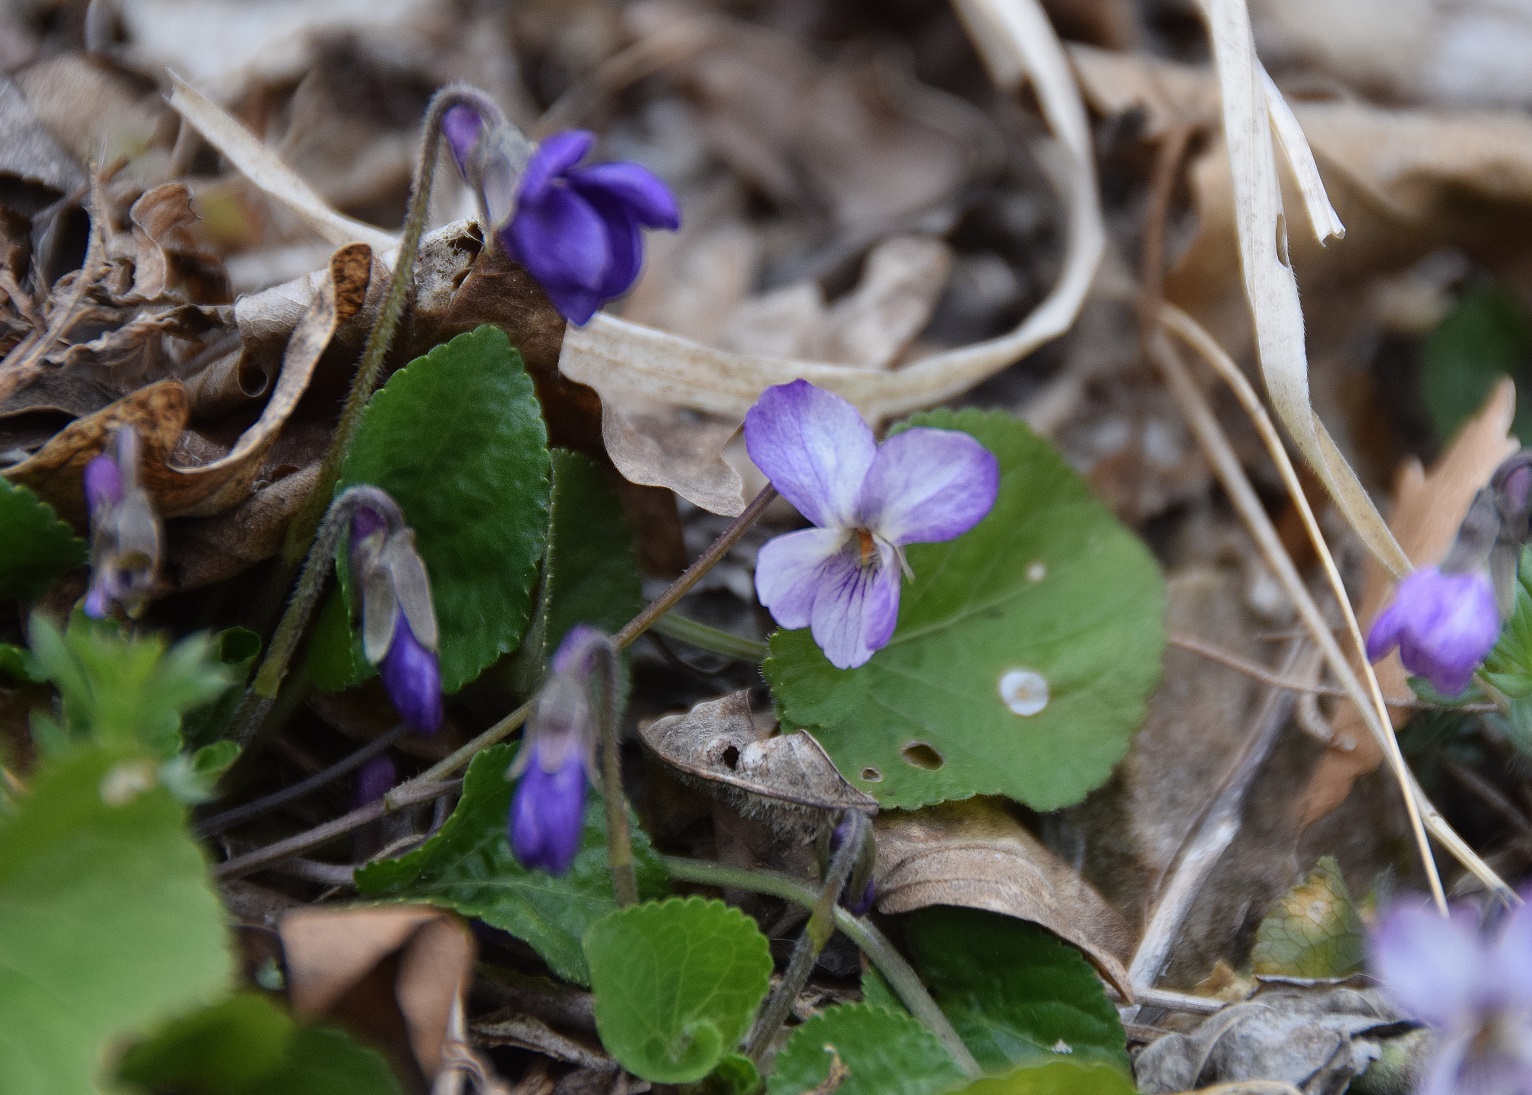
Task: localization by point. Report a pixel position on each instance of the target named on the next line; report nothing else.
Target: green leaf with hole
(879, 1052)
(1016, 994)
(457, 438)
(1025, 652)
(246, 1045)
(35, 546)
(108, 921)
(676, 984)
(468, 866)
(1056, 1078)
(1315, 930)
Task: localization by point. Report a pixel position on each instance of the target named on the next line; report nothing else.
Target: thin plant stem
(619, 844)
(216, 824)
(874, 944)
(816, 933)
(695, 633)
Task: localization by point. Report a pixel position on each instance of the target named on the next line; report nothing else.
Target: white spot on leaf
(1037, 571)
(1024, 691)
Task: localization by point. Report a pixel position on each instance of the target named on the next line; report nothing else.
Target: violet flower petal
(547, 814)
(625, 245)
(575, 648)
(461, 126)
(928, 485)
(374, 780)
(1511, 958)
(412, 678)
(634, 187)
(554, 156)
(788, 573)
(814, 447)
(103, 483)
(856, 606)
(1430, 967)
(1443, 624)
(561, 239)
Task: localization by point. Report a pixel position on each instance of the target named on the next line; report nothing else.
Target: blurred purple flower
(399, 632)
(374, 780)
(124, 531)
(548, 808)
(1443, 624)
(841, 580)
(1476, 992)
(861, 888)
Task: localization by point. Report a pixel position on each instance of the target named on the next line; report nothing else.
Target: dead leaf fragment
(974, 854)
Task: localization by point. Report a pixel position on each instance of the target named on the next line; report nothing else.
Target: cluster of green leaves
(1508, 668)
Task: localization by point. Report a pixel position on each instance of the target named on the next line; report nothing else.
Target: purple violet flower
(1476, 992)
(841, 580)
(548, 808)
(374, 780)
(1443, 624)
(858, 895)
(124, 531)
(399, 632)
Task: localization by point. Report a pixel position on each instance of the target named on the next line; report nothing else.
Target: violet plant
(124, 530)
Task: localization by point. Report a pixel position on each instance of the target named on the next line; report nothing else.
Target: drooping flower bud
(374, 780)
(861, 890)
(124, 531)
(399, 633)
(548, 807)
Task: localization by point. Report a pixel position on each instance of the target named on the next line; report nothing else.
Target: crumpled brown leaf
(974, 854)
(1428, 508)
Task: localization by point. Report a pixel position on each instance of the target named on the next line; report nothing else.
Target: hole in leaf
(730, 757)
(918, 754)
(871, 775)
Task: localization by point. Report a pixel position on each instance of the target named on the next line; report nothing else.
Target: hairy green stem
(619, 843)
(873, 943)
(816, 933)
(696, 633)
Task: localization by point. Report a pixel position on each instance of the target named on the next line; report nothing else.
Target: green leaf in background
(1315, 930)
(469, 867)
(1487, 335)
(457, 438)
(118, 690)
(108, 922)
(15, 664)
(882, 1052)
(1509, 664)
(590, 574)
(1025, 652)
(1015, 993)
(236, 649)
(35, 546)
(246, 1045)
(676, 984)
(1056, 1078)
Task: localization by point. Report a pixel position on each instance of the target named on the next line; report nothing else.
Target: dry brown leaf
(1428, 508)
(330, 951)
(974, 854)
(787, 779)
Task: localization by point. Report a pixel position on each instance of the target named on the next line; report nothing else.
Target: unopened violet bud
(461, 126)
(103, 483)
(860, 890)
(374, 780)
(124, 530)
(1443, 624)
(398, 625)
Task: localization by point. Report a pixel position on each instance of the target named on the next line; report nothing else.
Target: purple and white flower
(124, 531)
(1443, 624)
(399, 632)
(841, 579)
(548, 808)
(1475, 991)
(578, 230)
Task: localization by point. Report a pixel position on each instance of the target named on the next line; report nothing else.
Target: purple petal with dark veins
(789, 573)
(814, 447)
(547, 813)
(636, 188)
(412, 678)
(856, 606)
(928, 485)
(554, 156)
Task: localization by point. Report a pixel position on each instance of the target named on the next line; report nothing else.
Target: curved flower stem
(619, 844)
(816, 933)
(874, 944)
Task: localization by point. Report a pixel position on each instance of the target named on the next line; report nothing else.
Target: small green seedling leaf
(468, 866)
(35, 546)
(874, 1051)
(246, 1045)
(1025, 652)
(1015, 993)
(1055, 1078)
(108, 923)
(1315, 930)
(676, 985)
(457, 438)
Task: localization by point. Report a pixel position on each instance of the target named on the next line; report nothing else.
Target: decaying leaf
(787, 780)
(1314, 932)
(1428, 508)
(426, 956)
(974, 854)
